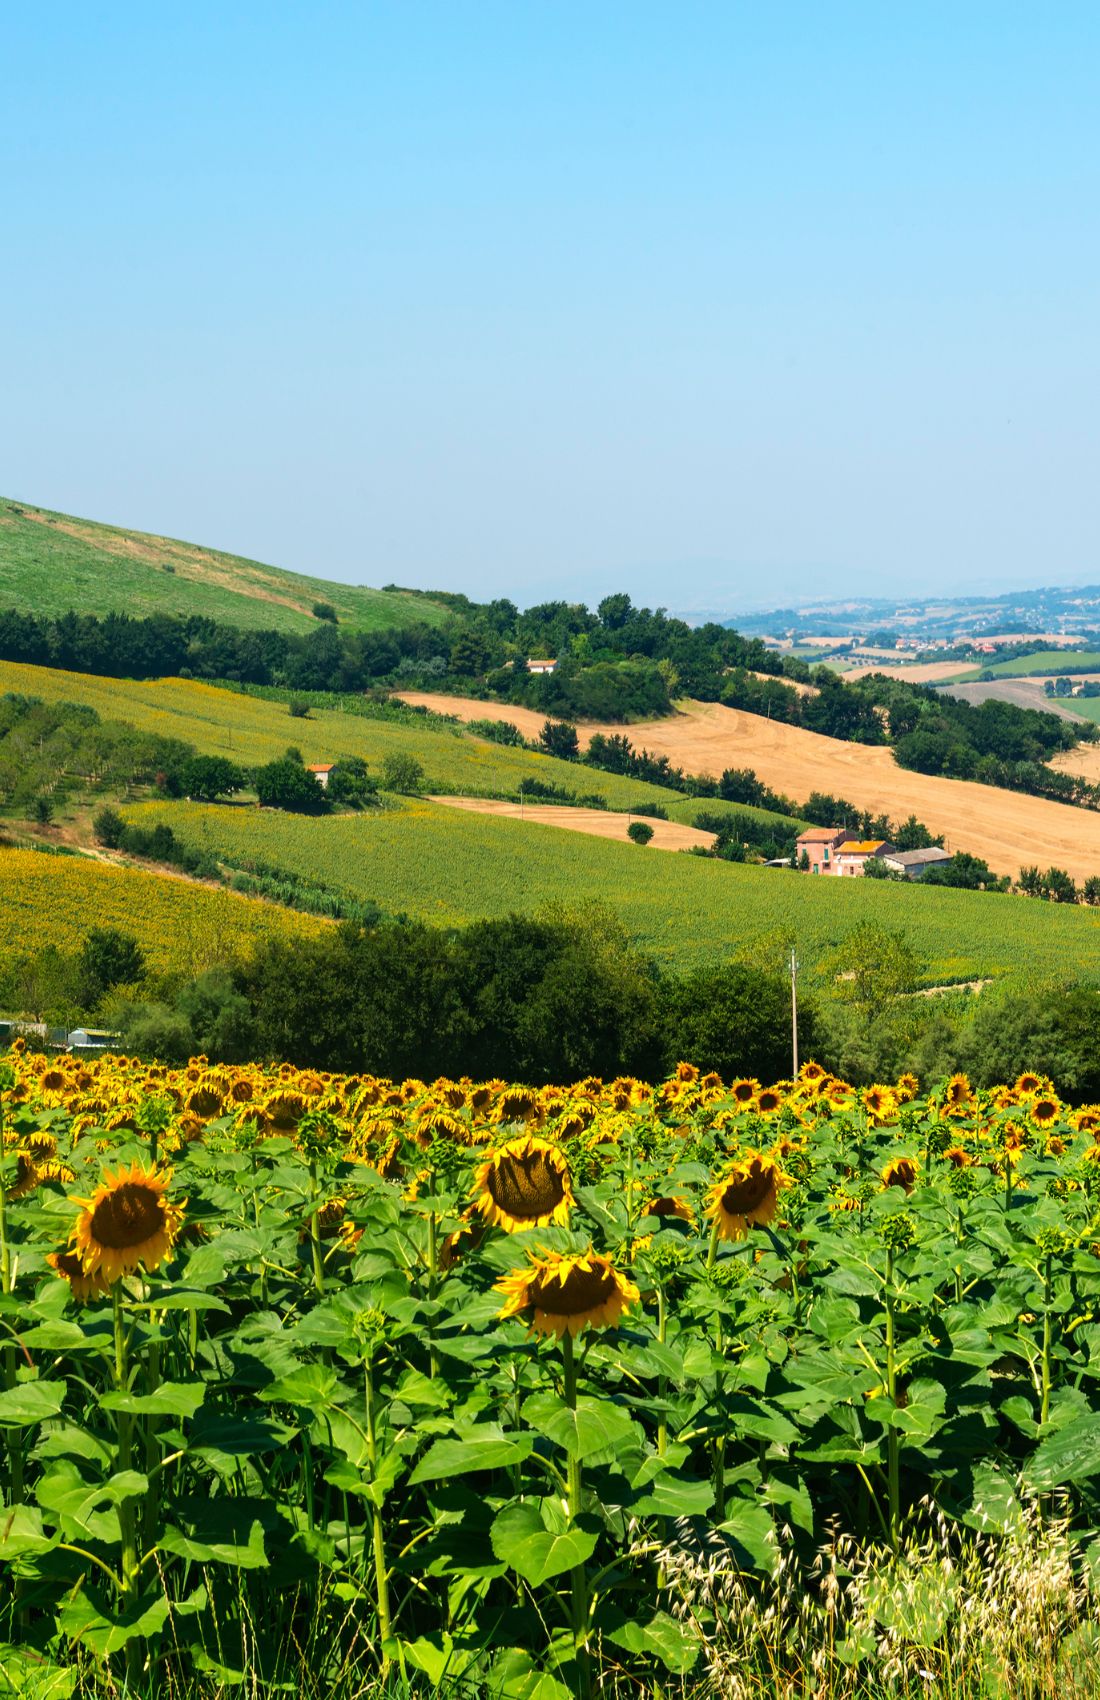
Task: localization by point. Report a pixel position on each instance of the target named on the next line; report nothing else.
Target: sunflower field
(524, 1393)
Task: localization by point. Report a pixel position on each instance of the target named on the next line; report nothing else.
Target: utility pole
(794, 1015)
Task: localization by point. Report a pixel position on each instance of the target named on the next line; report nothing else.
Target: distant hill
(51, 563)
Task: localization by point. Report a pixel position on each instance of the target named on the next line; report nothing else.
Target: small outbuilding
(914, 864)
(321, 771)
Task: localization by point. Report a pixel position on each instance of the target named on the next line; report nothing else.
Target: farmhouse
(321, 771)
(914, 864)
(852, 856)
(819, 846)
(541, 666)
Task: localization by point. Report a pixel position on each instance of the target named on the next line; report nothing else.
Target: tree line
(558, 996)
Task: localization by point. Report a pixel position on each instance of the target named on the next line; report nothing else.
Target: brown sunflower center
(530, 1184)
(747, 1192)
(582, 1290)
(130, 1215)
(68, 1264)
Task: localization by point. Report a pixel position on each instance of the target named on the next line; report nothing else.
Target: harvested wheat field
(910, 673)
(601, 823)
(1008, 830)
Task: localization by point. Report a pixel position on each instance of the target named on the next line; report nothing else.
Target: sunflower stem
(130, 1565)
(433, 1278)
(315, 1229)
(381, 1579)
(579, 1573)
(1048, 1301)
(893, 1459)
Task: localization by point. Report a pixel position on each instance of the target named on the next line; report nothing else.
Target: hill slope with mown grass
(52, 563)
(448, 867)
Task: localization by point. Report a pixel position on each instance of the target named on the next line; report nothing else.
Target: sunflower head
(957, 1091)
(768, 1101)
(670, 1205)
(958, 1157)
(128, 1222)
(82, 1285)
(1027, 1084)
(744, 1091)
(748, 1193)
(1044, 1109)
(524, 1185)
(562, 1293)
(900, 1171)
(907, 1087)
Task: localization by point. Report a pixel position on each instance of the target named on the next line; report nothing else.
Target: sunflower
(768, 1101)
(686, 1072)
(744, 1091)
(524, 1185)
(283, 1111)
(517, 1104)
(748, 1193)
(1086, 1119)
(907, 1087)
(564, 1292)
(1028, 1084)
(811, 1071)
(1044, 1109)
(27, 1176)
(82, 1286)
(127, 1221)
(879, 1102)
(957, 1091)
(900, 1171)
(958, 1157)
(670, 1205)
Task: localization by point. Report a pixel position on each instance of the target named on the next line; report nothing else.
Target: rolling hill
(447, 866)
(1008, 829)
(52, 563)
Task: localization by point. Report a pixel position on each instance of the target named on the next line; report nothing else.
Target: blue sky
(723, 304)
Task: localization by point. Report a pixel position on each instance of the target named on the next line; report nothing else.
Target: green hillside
(252, 730)
(447, 866)
(51, 563)
(1043, 663)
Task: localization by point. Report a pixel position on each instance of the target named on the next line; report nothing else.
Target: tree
(325, 611)
(638, 832)
(469, 654)
(219, 1017)
(299, 709)
(1057, 886)
(109, 958)
(205, 778)
(736, 1020)
(874, 966)
(109, 827)
(1090, 891)
(403, 774)
(614, 611)
(288, 784)
(560, 739)
(350, 783)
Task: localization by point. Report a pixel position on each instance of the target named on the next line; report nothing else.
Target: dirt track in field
(601, 823)
(916, 673)
(1008, 830)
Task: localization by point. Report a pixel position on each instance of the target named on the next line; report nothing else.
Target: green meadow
(53, 563)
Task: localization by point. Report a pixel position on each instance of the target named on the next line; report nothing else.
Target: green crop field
(447, 866)
(685, 809)
(184, 927)
(1032, 666)
(252, 730)
(51, 563)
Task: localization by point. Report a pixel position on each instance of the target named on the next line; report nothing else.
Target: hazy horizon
(725, 306)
